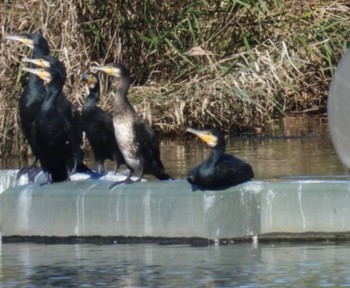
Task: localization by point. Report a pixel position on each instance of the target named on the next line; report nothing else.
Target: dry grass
(229, 64)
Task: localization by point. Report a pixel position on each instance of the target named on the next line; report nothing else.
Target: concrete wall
(171, 209)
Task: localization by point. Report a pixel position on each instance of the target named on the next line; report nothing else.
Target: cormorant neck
(121, 100)
(123, 87)
(35, 89)
(54, 91)
(35, 83)
(92, 99)
(39, 52)
(216, 153)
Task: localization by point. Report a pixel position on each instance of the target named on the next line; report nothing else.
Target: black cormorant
(136, 139)
(98, 126)
(34, 92)
(220, 170)
(52, 129)
(65, 107)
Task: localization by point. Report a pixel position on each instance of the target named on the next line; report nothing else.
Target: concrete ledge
(170, 212)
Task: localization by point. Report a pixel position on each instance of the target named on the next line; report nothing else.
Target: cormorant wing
(149, 142)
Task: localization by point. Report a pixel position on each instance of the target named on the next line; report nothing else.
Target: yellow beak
(41, 73)
(107, 69)
(205, 135)
(26, 41)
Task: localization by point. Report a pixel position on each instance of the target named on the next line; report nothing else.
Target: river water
(290, 147)
(240, 265)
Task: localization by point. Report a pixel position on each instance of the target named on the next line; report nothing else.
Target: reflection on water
(241, 265)
(292, 146)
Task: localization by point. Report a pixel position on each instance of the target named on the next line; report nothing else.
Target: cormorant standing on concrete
(65, 107)
(98, 126)
(34, 92)
(220, 170)
(136, 139)
(53, 131)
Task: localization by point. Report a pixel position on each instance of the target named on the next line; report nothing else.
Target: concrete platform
(171, 212)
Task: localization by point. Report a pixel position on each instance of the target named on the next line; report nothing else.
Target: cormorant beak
(23, 39)
(205, 135)
(41, 73)
(38, 62)
(90, 80)
(110, 70)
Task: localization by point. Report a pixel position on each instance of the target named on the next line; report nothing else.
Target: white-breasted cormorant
(136, 139)
(98, 126)
(34, 92)
(220, 170)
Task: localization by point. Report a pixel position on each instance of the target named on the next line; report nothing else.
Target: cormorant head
(32, 40)
(91, 79)
(212, 137)
(114, 69)
(40, 62)
(49, 68)
(41, 73)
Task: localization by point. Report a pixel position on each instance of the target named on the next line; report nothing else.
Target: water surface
(241, 265)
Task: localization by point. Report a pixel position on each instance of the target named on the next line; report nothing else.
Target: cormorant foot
(126, 181)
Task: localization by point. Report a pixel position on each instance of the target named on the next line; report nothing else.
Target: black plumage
(52, 130)
(98, 126)
(136, 139)
(65, 107)
(34, 92)
(220, 170)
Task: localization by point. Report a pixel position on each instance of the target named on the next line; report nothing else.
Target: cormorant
(136, 139)
(220, 170)
(98, 126)
(34, 92)
(65, 107)
(52, 130)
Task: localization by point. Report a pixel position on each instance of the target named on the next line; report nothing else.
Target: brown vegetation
(230, 64)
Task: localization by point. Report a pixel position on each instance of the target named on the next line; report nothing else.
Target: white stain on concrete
(300, 188)
(269, 199)
(209, 201)
(23, 207)
(80, 209)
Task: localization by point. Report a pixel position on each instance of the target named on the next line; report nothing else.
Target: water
(292, 146)
(298, 147)
(241, 265)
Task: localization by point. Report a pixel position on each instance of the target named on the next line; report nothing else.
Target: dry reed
(228, 64)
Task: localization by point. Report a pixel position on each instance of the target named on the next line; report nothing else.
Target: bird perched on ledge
(62, 105)
(220, 170)
(34, 92)
(136, 139)
(51, 129)
(98, 126)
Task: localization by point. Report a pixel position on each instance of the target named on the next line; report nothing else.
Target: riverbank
(229, 65)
